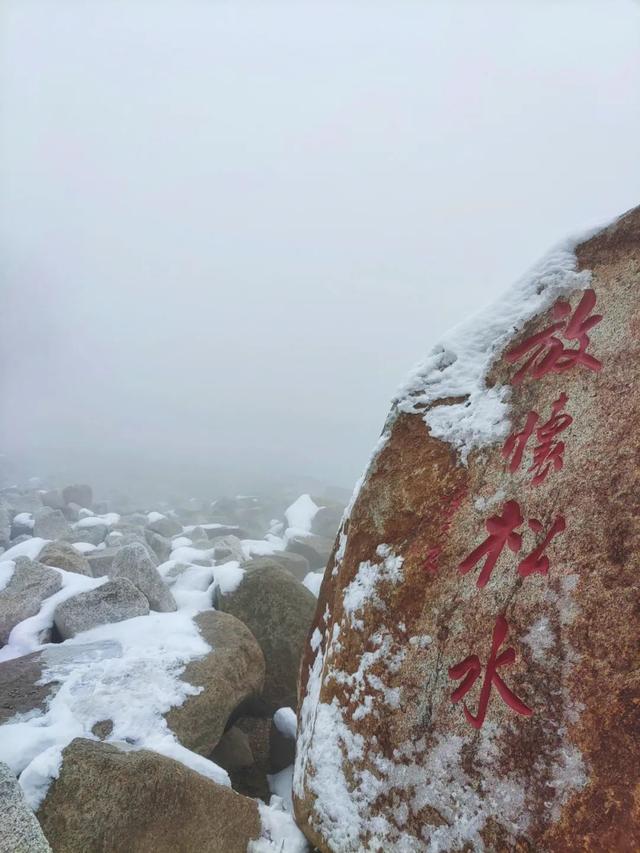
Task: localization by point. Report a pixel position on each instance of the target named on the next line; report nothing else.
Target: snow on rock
(29, 548)
(24, 519)
(286, 722)
(279, 831)
(300, 516)
(313, 582)
(385, 759)
(459, 364)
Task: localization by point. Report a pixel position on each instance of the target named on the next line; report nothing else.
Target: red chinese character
(548, 353)
(548, 453)
(501, 530)
(470, 669)
(517, 442)
(537, 562)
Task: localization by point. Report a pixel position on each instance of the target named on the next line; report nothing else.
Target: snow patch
(458, 366)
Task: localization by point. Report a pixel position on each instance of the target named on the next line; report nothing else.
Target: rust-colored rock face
(472, 681)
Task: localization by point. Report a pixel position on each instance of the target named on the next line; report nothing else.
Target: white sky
(228, 230)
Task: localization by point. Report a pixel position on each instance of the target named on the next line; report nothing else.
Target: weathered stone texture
(375, 678)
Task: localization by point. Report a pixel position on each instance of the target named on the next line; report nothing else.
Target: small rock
(252, 780)
(102, 729)
(51, 524)
(63, 555)
(133, 562)
(114, 601)
(233, 752)
(19, 829)
(22, 597)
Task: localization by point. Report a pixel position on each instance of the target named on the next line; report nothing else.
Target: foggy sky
(229, 229)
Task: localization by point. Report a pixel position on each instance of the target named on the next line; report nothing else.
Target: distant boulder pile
(148, 669)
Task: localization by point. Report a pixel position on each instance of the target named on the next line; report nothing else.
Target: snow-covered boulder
(30, 583)
(120, 800)
(114, 601)
(470, 678)
(133, 562)
(20, 831)
(278, 610)
(63, 555)
(231, 673)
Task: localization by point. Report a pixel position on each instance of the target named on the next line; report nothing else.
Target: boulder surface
(121, 801)
(28, 587)
(133, 562)
(278, 610)
(471, 678)
(231, 673)
(114, 601)
(19, 830)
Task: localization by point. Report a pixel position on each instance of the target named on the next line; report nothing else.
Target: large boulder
(63, 555)
(229, 675)
(133, 562)
(471, 679)
(278, 610)
(19, 829)
(78, 493)
(22, 597)
(51, 524)
(114, 601)
(107, 799)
